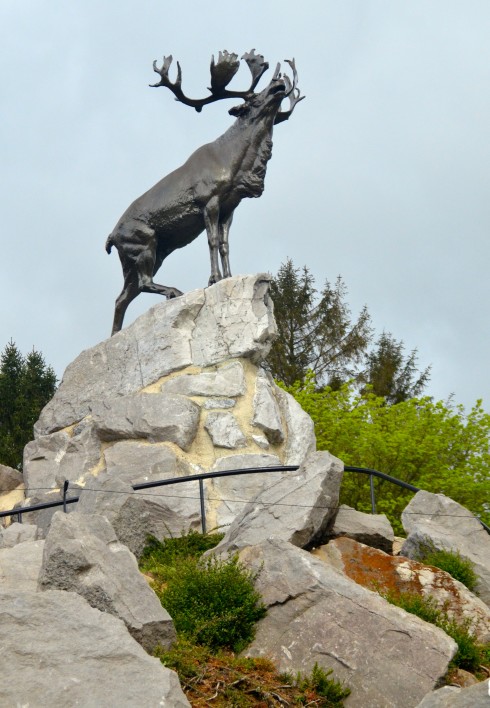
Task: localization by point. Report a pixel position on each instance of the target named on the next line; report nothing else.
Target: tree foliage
(393, 375)
(26, 385)
(432, 445)
(315, 334)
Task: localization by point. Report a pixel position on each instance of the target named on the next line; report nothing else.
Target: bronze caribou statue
(206, 190)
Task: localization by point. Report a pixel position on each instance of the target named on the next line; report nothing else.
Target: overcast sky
(381, 175)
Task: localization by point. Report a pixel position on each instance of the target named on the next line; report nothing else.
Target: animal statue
(204, 192)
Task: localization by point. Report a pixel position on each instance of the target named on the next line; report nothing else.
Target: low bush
(453, 563)
(212, 602)
(424, 607)
(167, 552)
(470, 655)
(319, 682)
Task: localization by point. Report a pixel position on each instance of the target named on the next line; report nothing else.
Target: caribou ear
(240, 110)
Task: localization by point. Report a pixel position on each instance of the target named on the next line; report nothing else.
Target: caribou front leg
(224, 249)
(211, 221)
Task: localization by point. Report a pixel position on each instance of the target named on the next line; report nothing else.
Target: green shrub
(424, 607)
(453, 563)
(333, 691)
(470, 654)
(330, 691)
(168, 551)
(213, 602)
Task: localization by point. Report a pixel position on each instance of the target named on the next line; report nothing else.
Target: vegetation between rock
(471, 655)
(215, 606)
(453, 563)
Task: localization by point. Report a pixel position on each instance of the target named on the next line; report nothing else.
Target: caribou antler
(292, 92)
(222, 73)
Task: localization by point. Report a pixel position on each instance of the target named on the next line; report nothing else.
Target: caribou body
(204, 192)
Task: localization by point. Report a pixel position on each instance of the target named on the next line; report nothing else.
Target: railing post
(203, 510)
(373, 499)
(65, 490)
(19, 518)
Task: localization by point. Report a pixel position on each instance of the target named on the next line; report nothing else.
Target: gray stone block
(386, 656)
(228, 381)
(156, 417)
(20, 566)
(371, 529)
(230, 495)
(267, 414)
(293, 506)
(301, 439)
(18, 533)
(224, 431)
(440, 522)
(82, 555)
(477, 696)
(57, 651)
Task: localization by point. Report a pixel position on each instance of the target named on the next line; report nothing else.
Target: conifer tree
(393, 375)
(315, 333)
(26, 385)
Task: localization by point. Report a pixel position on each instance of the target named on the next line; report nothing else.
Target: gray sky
(381, 175)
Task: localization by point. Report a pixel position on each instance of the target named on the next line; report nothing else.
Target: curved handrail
(223, 473)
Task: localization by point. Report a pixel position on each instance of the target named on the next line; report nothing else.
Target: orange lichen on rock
(383, 573)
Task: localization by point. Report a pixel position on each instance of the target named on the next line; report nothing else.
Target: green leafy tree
(432, 445)
(315, 333)
(26, 385)
(393, 375)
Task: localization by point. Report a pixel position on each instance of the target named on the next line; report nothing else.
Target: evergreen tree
(26, 385)
(315, 333)
(393, 375)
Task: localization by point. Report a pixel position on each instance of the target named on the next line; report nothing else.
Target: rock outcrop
(435, 521)
(297, 508)
(57, 651)
(82, 555)
(177, 392)
(372, 529)
(316, 614)
(384, 573)
(476, 696)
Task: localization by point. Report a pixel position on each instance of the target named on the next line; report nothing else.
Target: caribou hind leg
(139, 260)
(128, 293)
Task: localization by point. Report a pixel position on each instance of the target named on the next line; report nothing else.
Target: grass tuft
(471, 655)
(453, 563)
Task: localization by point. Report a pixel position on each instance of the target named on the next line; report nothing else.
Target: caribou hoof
(174, 292)
(214, 279)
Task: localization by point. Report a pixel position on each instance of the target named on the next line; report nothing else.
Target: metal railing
(380, 475)
(200, 478)
(149, 485)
